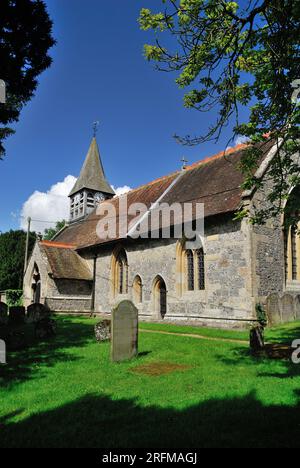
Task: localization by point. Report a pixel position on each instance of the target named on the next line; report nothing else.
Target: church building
(220, 282)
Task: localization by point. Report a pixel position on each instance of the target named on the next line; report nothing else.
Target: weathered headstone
(124, 331)
(36, 312)
(45, 328)
(103, 330)
(256, 338)
(3, 313)
(16, 315)
(273, 309)
(297, 307)
(288, 308)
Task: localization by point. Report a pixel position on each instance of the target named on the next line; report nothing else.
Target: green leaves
(153, 52)
(25, 39)
(158, 21)
(12, 254)
(230, 55)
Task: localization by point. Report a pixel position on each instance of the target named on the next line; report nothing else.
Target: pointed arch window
(190, 270)
(292, 237)
(138, 290)
(200, 269)
(121, 275)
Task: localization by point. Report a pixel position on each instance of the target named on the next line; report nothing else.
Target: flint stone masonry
(124, 332)
(103, 330)
(69, 304)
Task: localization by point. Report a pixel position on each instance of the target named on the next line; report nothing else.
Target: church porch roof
(64, 261)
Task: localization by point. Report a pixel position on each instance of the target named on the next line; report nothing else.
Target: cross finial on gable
(184, 162)
(95, 127)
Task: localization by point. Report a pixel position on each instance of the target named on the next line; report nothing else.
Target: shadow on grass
(278, 349)
(283, 334)
(23, 365)
(243, 356)
(98, 421)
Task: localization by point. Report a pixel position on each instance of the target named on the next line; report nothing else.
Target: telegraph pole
(27, 244)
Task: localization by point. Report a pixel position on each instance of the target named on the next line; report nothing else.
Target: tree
(12, 254)
(25, 38)
(234, 54)
(50, 232)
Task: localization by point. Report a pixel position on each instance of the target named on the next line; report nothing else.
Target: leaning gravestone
(3, 313)
(36, 312)
(124, 331)
(273, 309)
(257, 339)
(103, 330)
(287, 307)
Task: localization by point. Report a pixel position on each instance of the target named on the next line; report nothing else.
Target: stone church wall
(60, 295)
(226, 300)
(268, 250)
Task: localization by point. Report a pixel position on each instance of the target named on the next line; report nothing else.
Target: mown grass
(65, 392)
(281, 333)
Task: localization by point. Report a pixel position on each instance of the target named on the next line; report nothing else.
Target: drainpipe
(94, 285)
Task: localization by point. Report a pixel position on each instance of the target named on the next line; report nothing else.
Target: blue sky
(98, 73)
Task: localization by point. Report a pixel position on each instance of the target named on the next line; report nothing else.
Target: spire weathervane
(184, 162)
(95, 127)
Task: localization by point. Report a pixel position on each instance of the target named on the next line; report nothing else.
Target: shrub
(14, 297)
(261, 315)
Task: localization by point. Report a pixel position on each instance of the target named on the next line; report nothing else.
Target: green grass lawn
(66, 393)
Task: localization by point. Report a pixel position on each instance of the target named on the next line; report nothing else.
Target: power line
(41, 220)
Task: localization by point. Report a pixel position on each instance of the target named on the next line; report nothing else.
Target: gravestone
(45, 328)
(124, 331)
(103, 330)
(16, 315)
(288, 308)
(36, 312)
(273, 309)
(256, 338)
(3, 313)
(297, 307)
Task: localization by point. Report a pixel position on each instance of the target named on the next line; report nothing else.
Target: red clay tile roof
(64, 262)
(59, 245)
(215, 181)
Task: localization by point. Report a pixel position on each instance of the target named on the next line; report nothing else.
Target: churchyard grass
(65, 392)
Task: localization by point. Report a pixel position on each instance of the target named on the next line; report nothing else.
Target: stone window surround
(182, 288)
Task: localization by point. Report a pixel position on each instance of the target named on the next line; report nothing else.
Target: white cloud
(240, 139)
(121, 190)
(52, 205)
